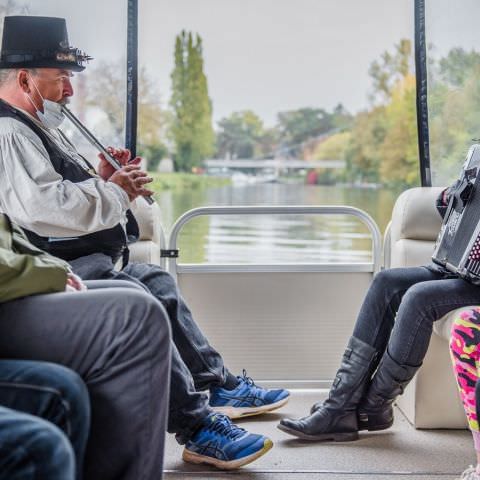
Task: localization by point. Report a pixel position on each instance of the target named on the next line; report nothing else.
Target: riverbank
(185, 181)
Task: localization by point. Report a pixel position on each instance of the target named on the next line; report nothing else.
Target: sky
(267, 55)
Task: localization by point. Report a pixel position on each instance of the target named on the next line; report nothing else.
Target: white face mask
(52, 115)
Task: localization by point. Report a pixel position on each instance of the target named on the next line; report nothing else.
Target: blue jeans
(118, 341)
(195, 366)
(33, 447)
(401, 305)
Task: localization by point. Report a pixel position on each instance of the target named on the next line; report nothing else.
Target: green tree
(341, 118)
(297, 126)
(192, 132)
(458, 66)
(267, 144)
(239, 135)
(454, 106)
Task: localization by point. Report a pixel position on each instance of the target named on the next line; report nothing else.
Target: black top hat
(39, 42)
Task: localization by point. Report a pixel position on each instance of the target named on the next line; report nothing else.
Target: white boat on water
(240, 178)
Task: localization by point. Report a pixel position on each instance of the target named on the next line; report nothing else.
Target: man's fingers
(143, 180)
(138, 173)
(130, 167)
(144, 192)
(122, 155)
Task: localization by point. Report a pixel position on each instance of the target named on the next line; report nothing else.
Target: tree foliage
(458, 66)
(454, 104)
(239, 135)
(191, 131)
(389, 70)
(297, 126)
(383, 145)
(106, 91)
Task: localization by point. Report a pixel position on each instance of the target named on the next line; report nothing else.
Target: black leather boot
(375, 411)
(336, 418)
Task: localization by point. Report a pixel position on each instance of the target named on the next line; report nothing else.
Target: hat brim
(43, 64)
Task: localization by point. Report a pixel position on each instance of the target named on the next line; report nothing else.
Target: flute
(91, 138)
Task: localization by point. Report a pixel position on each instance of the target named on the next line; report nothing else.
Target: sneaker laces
(222, 425)
(248, 380)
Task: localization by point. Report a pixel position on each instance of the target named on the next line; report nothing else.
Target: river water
(267, 239)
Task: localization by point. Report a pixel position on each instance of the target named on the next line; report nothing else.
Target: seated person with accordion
(394, 325)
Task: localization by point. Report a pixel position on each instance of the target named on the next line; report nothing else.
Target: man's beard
(64, 101)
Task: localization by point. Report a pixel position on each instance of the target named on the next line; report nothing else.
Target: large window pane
(454, 84)
(305, 80)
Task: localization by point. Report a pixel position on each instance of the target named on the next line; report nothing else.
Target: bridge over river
(276, 164)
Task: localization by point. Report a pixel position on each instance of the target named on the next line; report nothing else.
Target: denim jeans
(118, 341)
(401, 305)
(196, 365)
(33, 447)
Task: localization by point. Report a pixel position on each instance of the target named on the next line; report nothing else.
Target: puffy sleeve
(36, 197)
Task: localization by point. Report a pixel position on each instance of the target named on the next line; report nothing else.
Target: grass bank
(184, 181)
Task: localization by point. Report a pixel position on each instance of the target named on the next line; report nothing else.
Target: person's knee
(70, 392)
(148, 316)
(385, 279)
(52, 448)
(168, 282)
(416, 297)
(43, 445)
(156, 320)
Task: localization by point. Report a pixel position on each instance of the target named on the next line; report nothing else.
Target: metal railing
(365, 218)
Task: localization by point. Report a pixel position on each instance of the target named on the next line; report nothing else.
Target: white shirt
(36, 197)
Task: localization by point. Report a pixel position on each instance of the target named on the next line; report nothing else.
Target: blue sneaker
(246, 399)
(224, 445)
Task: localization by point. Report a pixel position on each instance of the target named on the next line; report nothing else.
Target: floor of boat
(401, 452)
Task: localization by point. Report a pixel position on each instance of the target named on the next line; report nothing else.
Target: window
(453, 84)
(306, 80)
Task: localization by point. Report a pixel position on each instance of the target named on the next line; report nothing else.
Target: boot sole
(195, 458)
(374, 428)
(241, 412)
(323, 437)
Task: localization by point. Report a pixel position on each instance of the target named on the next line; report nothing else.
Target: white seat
(431, 400)
(151, 241)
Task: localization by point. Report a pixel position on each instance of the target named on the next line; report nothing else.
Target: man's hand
(131, 179)
(122, 155)
(74, 283)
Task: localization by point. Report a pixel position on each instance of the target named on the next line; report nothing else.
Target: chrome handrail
(277, 210)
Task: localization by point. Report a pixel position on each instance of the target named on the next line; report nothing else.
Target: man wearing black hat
(68, 210)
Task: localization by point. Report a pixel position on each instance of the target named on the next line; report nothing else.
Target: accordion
(458, 244)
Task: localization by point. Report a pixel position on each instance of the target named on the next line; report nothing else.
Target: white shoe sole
(240, 412)
(192, 457)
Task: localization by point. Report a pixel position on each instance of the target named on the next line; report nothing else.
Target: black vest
(112, 242)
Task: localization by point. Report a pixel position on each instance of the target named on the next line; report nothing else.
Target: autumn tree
(383, 145)
(389, 70)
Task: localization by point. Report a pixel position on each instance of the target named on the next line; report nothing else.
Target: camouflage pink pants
(465, 352)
